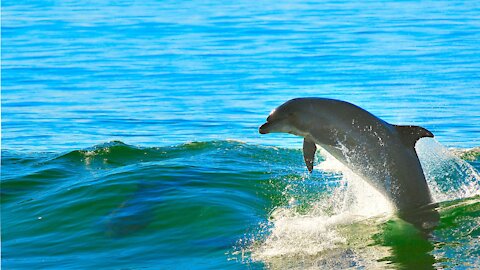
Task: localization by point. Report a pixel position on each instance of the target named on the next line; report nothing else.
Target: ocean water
(130, 133)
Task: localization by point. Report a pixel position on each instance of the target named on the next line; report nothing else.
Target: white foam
(355, 194)
(316, 232)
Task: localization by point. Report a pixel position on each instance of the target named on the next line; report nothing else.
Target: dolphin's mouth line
(263, 129)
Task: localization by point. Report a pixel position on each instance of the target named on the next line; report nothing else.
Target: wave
(117, 152)
(450, 173)
(326, 216)
(120, 151)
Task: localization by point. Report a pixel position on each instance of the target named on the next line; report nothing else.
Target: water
(129, 133)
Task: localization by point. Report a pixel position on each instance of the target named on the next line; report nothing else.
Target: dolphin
(382, 154)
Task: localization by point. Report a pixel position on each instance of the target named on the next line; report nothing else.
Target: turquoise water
(130, 133)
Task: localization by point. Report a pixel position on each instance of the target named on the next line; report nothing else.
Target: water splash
(321, 231)
(448, 176)
(341, 223)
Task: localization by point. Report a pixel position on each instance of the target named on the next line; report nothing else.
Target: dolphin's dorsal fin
(309, 149)
(411, 134)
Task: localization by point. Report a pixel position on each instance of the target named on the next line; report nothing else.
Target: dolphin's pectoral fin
(309, 149)
(411, 134)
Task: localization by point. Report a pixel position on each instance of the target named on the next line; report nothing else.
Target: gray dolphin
(381, 153)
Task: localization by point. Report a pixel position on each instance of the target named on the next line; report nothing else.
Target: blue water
(130, 130)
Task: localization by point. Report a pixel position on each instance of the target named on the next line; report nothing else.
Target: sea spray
(321, 230)
(448, 176)
(337, 229)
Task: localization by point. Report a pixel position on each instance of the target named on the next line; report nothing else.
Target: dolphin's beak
(263, 129)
